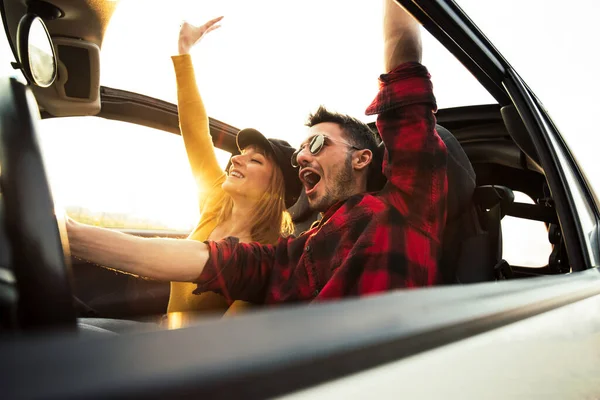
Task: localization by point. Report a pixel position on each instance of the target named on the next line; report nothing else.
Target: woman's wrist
(183, 49)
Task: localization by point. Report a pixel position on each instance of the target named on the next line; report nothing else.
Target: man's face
(328, 176)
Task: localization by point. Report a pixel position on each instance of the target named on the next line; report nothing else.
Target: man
(365, 243)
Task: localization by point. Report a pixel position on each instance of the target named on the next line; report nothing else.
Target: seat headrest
(300, 210)
(461, 176)
(375, 179)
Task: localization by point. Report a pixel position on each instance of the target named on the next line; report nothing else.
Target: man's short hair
(357, 132)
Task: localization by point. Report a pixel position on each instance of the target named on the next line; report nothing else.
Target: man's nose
(304, 157)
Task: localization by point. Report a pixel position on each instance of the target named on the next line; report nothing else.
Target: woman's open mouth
(236, 174)
(310, 179)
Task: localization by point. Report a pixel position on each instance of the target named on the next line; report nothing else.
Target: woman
(249, 202)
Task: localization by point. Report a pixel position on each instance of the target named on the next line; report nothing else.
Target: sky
(269, 70)
(553, 45)
(272, 62)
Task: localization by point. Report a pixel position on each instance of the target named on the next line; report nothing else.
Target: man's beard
(343, 184)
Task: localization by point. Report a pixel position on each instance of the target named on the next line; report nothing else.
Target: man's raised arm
(401, 36)
(415, 160)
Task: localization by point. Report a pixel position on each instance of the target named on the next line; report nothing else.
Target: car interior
(491, 156)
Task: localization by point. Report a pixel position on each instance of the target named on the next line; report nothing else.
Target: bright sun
(117, 174)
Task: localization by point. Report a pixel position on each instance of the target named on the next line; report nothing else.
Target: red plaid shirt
(369, 243)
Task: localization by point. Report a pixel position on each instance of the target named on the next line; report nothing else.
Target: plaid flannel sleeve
(415, 159)
(238, 271)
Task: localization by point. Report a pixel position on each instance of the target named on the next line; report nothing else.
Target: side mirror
(37, 57)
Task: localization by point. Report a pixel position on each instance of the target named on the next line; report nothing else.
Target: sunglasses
(315, 145)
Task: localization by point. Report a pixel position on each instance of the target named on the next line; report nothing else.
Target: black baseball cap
(282, 152)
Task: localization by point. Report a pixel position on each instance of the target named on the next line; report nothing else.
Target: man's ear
(362, 159)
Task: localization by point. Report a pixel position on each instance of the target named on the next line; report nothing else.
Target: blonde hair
(271, 218)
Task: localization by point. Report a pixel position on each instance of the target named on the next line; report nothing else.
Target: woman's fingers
(190, 34)
(212, 28)
(214, 20)
(210, 23)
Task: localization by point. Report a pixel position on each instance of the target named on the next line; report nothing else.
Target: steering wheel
(37, 245)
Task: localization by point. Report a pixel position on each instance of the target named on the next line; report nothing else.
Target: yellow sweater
(209, 176)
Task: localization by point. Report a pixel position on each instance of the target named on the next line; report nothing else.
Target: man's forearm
(402, 36)
(156, 258)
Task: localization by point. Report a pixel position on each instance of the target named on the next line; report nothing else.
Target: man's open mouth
(309, 179)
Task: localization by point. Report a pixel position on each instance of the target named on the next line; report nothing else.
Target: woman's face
(249, 175)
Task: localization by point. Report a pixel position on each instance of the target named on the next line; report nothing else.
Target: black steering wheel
(37, 241)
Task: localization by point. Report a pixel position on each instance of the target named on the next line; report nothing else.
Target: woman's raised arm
(193, 118)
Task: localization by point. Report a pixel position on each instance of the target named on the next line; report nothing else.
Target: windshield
(265, 72)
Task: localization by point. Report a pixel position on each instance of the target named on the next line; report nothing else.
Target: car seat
(472, 240)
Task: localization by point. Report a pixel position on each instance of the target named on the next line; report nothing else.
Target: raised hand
(401, 35)
(189, 34)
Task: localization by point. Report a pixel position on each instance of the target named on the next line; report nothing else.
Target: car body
(534, 337)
